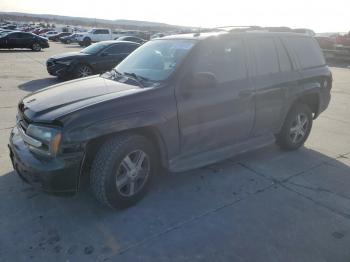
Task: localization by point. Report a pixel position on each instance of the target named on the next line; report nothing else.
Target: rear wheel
(87, 41)
(83, 71)
(36, 47)
(296, 127)
(122, 170)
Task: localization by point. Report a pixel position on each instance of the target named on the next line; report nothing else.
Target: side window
(104, 32)
(307, 51)
(129, 48)
(113, 50)
(224, 58)
(265, 55)
(97, 32)
(13, 36)
(285, 63)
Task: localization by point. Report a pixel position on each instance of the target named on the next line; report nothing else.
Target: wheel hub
(132, 173)
(299, 128)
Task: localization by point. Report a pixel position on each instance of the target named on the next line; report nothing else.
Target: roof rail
(253, 28)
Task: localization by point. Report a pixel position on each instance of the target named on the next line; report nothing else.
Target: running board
(188, 162)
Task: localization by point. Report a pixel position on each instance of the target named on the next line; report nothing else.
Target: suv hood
(59, 100)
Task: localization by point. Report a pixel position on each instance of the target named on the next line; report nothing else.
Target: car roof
(109, 42)
(258, 33)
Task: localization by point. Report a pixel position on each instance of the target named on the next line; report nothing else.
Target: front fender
(116, 124)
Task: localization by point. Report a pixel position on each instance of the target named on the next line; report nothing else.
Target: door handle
(245, 93)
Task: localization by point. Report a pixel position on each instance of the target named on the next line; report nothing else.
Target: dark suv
(179, 103)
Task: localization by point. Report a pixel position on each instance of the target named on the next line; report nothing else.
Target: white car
(95, 35)
(49, 33)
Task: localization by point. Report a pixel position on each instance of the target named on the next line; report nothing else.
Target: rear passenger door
(272, 76)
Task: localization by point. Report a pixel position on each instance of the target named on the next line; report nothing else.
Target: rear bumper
(59, 176)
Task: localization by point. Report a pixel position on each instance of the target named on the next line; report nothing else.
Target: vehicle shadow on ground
(4, 51)
(37, 84)
(80, 222)
(73, 46)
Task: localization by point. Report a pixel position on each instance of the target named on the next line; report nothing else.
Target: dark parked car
(56, 37)
(69, 39)
(23, 40)
(9, 27)
(132, 39)
(178, 102)
(97, 58)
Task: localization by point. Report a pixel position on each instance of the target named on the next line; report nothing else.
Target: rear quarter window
(265, 53)
(307, 51)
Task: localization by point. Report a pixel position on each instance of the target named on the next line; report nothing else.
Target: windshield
(157, 59)
(93, 49)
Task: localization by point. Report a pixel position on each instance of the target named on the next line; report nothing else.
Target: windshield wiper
(138, 78)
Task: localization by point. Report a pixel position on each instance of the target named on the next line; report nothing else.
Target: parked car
(94, 59)
(9, 27)
(42, 31)
(69, 39)
(132, 39)
(179, 102)
(5, 31)
(18, 39)
(49, 33)
(95, 35)
(326, 42)
(56, 37)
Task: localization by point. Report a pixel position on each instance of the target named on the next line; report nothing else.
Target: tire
(68, 41)
(296, 127)
(36, 47)
(87, 41)
(82, 71)
(109, 164)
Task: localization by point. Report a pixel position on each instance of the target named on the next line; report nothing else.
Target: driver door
(214, 116)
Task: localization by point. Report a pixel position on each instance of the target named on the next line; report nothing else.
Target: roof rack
(253, 28)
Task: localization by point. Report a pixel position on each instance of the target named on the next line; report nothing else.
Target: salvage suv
(176, 103)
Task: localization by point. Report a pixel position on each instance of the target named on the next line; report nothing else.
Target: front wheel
(87, 41)
(122, 170)
(82, 71)
(296, 128)
(36, 47)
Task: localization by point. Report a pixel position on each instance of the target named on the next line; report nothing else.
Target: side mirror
(202, 80)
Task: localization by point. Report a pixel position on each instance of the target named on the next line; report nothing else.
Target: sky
(319, 15)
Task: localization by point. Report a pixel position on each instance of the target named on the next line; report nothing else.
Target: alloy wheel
(36, 47)
(299, 128)
(132, 173)
(84, 71)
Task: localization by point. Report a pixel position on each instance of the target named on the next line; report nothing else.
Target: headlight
(64, 62)
(49, 137)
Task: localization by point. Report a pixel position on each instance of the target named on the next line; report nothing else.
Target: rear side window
(284, 59)
(307, 51)
(265, 53)
(224, 58)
